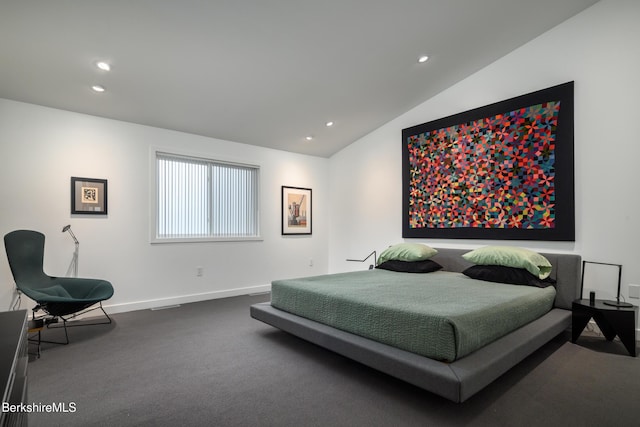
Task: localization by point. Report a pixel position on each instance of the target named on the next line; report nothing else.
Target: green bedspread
(440, 315)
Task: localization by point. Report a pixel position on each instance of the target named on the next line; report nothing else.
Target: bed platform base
(456, 381)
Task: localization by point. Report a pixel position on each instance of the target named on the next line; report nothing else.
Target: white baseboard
(184, 299)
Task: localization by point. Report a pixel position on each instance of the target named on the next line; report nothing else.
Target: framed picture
(88, 196)
(504, 171)
(296, 210)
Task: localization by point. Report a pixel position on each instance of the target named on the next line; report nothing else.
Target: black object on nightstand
(611, 320)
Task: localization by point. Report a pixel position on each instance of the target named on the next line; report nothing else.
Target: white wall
(356, 194)
(41, 148)
(598, 49)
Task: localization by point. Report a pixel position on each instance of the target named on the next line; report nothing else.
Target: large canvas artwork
(503, 171)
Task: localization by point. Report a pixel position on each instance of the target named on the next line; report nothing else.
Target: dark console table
(13, 365)
(612, 321)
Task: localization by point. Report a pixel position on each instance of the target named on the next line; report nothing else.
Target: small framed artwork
(88, 196)
(296, 210)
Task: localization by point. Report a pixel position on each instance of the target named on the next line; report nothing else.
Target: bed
(455, 373)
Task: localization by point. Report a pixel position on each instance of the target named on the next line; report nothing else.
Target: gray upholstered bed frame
(464, 377)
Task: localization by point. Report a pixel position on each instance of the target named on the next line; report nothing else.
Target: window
(204, 199)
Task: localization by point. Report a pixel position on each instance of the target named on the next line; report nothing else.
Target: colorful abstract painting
(504, 171)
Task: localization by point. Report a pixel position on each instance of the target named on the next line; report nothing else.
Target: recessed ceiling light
(103, 65)
(423, 58)
(97, 88)
(309, 138)
(329, 124)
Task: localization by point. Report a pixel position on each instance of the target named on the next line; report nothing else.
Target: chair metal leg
(66, 334)
(34, 333)
(71, 325)
(73, 316)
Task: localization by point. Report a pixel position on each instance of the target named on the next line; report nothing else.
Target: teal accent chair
(58, 297)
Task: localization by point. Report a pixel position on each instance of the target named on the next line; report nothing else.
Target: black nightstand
(612, 321)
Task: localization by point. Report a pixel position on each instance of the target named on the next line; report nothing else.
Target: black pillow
(502, 274)
(425, 266)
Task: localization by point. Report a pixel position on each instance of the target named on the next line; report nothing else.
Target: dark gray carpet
(209, 363)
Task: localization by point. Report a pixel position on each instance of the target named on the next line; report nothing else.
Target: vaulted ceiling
(262, 72)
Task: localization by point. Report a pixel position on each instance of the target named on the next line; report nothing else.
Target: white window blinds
(201, 198)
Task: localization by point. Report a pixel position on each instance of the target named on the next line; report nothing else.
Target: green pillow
(407, 252)
(509, 256)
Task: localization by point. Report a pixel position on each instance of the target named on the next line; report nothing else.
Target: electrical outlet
(199, 271)
(634, 291)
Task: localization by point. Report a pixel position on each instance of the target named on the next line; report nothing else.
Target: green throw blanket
(440, 315)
